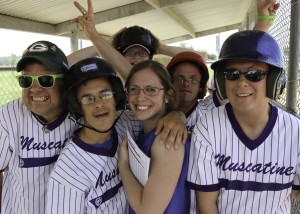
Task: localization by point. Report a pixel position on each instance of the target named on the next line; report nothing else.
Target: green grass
(9, 88)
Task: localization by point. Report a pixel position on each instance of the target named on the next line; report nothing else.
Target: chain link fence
(280, 30)
(9, 88)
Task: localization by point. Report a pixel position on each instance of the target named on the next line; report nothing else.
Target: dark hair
(135, 35)
(164, 77)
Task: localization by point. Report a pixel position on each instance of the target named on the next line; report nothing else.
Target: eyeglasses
(45, 81)
(90, 99)
(251, 75)
(149, 90)
(191, 80)
(136, 53)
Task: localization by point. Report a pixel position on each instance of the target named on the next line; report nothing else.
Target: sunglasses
(251, 75)
(45, 81)
(90, 99)
(149, 90)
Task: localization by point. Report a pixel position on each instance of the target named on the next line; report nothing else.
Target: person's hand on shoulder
(171, 129)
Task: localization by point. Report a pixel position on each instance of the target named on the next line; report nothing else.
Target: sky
(15, 42)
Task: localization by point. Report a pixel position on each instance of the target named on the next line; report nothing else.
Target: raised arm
(82, 54)
(104, 48)
(172, 50)
(266, 10)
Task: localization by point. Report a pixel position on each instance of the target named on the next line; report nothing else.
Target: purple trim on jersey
(252, 185)
(51, 126)
(180, 201)
(106, 196)
(215, 99)
(113, 141)
(252, 144)
(239, 186)
(36, 162)
(203, 188)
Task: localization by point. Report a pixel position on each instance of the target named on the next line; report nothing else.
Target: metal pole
(73, 28)
(292, 83)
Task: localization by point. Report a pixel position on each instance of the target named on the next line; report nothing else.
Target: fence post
(292, 83)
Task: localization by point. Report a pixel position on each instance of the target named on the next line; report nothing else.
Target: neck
(253, 123)
(92, 137)
(186, 107)
(150, 124)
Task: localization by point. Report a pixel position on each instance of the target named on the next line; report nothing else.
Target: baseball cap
(47, 53)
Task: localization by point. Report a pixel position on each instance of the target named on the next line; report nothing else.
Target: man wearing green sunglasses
(33, 129)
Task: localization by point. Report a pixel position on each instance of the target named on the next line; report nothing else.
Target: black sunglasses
(45, 81)
(251, 75)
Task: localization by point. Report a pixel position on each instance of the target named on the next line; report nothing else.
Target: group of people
(64, 147)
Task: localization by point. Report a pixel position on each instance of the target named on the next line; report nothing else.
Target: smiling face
(45, 102)
(188, 92)
(146, 108)
(246, 96)
(102, 113)
(136, 54)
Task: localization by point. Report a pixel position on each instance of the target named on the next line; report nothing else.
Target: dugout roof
(169, 20)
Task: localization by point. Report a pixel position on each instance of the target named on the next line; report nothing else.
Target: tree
(13, 60)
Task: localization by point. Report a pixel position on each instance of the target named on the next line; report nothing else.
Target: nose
(35, 86)
(98, 102)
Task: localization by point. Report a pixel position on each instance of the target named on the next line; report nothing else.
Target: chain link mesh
(280, 30)
(9, 88)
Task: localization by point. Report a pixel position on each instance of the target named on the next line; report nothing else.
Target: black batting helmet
(87, 69)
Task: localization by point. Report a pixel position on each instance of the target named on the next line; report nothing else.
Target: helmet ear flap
(275, 84)
(220, 81)
(73, 105)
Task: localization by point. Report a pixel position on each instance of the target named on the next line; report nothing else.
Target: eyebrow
(103, 90)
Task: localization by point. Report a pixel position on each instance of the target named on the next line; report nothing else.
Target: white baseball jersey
(252, 176)
(208, 103)
(27, 155)
(86, 178)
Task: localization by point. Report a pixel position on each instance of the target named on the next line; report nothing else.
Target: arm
(172, 51)
(265, 8)
(104, 48)
(82, 54)
(207, 202)
(171, 129)
(165, 170)
(296, 194)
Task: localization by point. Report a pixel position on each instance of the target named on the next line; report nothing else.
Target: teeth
(142, 107)
(243, 95)
(40, 99)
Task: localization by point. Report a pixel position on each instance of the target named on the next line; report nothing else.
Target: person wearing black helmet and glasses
(86, 178)
(245, 155)
(144, 42)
